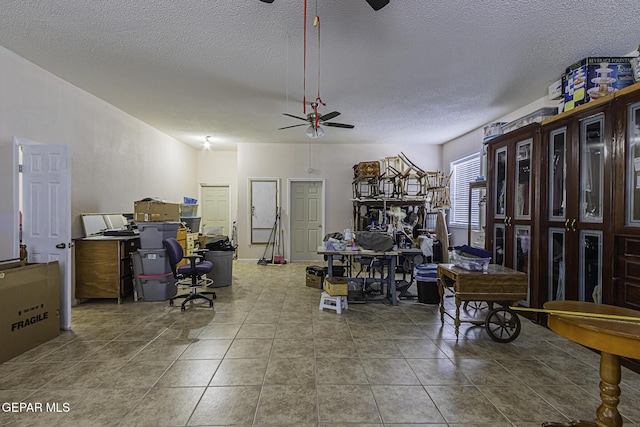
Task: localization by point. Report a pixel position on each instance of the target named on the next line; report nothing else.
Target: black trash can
(428, 292)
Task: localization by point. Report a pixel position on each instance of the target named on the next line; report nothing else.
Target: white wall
(331, 162)
(116, 159)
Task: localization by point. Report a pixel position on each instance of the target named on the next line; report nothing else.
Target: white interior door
(46, 221)
(307, 217)
(264, 208)
(215, 207)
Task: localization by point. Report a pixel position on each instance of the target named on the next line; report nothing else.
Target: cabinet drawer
(631, 294)
(632, 247)
(128, 246)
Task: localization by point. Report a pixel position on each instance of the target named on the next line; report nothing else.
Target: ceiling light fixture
(207, 142)
(315, 132)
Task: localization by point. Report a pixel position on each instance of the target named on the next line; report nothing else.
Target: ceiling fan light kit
(315, 132)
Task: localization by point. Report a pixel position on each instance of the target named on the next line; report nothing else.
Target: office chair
(190, 274)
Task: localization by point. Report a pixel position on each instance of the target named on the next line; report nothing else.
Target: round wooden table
(612, 337)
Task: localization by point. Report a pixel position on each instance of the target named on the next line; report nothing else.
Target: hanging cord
(304, 61)
(316, 23)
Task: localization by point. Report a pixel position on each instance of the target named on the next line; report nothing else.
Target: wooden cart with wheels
(499, 287)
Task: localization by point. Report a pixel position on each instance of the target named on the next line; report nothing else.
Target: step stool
(337, 303)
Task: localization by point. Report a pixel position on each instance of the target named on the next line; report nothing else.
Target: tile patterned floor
(266, 356)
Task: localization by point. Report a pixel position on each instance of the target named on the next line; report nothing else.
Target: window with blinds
(464, 171)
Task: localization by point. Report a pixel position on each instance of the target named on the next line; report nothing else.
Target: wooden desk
(498, 283)
(614, 338)
(103, 266)
(389, 257)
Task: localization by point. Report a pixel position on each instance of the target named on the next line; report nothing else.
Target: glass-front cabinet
(511, 183)
(626, 199)
(575, 219)
(632, 187)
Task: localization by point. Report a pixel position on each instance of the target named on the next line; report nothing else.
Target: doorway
(46, 206)
(215, 207)
(306, 219)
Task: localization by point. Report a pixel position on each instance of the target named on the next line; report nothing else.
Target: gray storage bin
(158, 289)
(154, 261)
(153, 233)
(222, 267)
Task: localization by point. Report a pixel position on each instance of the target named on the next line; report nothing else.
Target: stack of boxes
(154, 277)
(188, 215)
(156, 220)
(593, 78)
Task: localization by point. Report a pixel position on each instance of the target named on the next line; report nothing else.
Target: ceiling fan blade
(294, 126)
(376, 4)
(329, 116)
(339, 125)
(296, 117)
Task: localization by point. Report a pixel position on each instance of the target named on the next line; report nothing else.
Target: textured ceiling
(418, 72)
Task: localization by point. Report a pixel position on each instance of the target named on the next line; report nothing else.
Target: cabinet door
(632, 186)
(557, 264)
(522, 253)
(592, 169)
(522, 179)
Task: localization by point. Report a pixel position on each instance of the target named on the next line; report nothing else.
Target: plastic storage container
(222, 267)
(188, 210)
(154, 261)
(153, 233)
(469, 263)
(192, 223)
(158, 288)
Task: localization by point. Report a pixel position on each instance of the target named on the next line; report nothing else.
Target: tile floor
(265, 355)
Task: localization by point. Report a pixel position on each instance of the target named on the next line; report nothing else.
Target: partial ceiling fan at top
(375, 4)
(314, 118)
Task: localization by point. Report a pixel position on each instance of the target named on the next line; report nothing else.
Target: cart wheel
(182, 308)
(210, 303)
(503, 325)
(475, 305)
(171, 302)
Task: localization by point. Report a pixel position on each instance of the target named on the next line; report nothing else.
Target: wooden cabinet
(512, 201)
(626, 289)
(103, 266)
(576, 207)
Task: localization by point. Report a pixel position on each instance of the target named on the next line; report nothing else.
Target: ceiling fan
(314, 120)
(375, 4)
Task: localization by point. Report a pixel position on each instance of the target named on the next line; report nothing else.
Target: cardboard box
(29, 307)
(336, 286)
(593, 78)
(155, 210)
(555, 89)
(315, 276)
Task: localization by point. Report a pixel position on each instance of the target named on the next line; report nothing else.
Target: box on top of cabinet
(595, 77)
(155, 210)
(29, 306)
